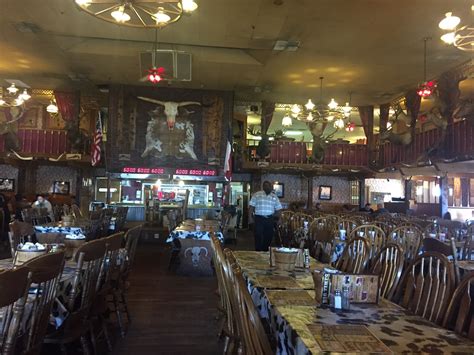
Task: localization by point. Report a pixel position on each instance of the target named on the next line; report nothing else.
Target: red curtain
(367, 116)
(267, 114)
(68, 105)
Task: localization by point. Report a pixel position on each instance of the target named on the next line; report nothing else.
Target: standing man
(264, 207)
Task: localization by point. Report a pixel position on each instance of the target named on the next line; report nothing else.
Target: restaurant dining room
(236, 177)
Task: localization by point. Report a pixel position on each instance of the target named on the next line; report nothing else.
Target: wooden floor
(171, 314)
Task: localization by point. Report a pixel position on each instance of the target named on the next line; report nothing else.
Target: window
(355, 186)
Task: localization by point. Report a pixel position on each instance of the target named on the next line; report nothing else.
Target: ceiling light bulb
(160, 17)
(120, 15)
(19, 101)
(347, 110)
(12, 89)
(188, 5)
(295, 109)
(309, 105)
(339, 123)
(25, 96)
(286, 121)
(181, 183)
(52, 108)
(83, 3)
(329, 118)
(449, 38)
(333, 104)
(450, 22)
(310, 117)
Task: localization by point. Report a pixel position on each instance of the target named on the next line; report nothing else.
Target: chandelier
(13, 96)
(138, 13)
(461, 37)
(311, 112)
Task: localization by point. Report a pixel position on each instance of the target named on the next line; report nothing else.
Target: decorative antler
(58, 158)
(158, 102)
(204, 249)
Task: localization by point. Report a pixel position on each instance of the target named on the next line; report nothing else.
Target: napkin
(31, 246)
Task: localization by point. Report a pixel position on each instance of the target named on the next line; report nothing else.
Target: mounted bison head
(170, 108)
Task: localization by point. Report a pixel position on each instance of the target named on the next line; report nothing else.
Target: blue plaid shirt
(265, 205)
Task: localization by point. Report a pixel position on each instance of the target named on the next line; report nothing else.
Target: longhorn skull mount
(195, 254)
(170, 108)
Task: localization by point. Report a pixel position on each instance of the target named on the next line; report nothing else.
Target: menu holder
(299, 258)
(362, 288)
(344, 338)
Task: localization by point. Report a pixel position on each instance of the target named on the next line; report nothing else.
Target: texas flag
(228, 156)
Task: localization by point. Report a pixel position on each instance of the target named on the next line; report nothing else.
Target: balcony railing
(40, 141)
(282, 152)
(458, 142)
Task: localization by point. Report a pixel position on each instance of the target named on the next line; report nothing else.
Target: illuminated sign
(191, 172)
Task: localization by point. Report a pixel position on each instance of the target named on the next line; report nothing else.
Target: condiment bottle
(346, 302)
(337, 300)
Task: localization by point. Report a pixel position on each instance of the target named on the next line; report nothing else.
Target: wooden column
(362, 200)
(443, 198)
(310, 192)
(27, 172)
(465, 192)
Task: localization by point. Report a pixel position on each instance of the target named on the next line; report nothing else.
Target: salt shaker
(306, 258)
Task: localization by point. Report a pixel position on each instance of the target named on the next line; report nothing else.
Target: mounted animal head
(195, 254)
(404, 138)
(170, 108)
(319, 139)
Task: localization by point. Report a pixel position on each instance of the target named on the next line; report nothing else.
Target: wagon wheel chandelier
(13, 96)
(311, 112)
(138, 13)
(461, 37)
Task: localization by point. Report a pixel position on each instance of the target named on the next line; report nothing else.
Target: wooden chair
(355, 256)
(228, 326)
(19, 232)
(409, 238)
(388, 264)
(46, 272)
(321, 241)
(459, 315)
(252, 333)
(448, 250)
(375, 235)
(132, 237)
(89, 260)
(348, 225)
(14, 284)
(426, 286)
(387, 226)
(76, 211)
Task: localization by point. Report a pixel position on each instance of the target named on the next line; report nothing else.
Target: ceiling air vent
(290, 46)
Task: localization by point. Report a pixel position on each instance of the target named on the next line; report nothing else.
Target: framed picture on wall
(61, 187)
(325, 192)
(7, 185)
(279, 189)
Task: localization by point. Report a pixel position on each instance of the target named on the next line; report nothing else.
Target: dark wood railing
(459, 141)
(40, 141)
(300, 153)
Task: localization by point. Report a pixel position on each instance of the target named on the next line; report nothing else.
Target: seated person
(346, 208)
(317, 207)
(367, 208)
(381, 209)
(41, 202)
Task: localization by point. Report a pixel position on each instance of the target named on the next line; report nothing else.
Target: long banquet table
(286, 301)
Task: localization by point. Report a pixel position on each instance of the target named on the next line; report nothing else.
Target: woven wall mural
(167, 128)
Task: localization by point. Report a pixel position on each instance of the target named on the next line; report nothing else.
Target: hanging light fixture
(138, 13)
(310, 111)
(52, 107)
(427, 87)
(460, 37)
(287, 121)
(9, 97)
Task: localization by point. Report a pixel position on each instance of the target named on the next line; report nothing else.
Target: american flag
(96, 144)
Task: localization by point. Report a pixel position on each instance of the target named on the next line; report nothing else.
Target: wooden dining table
(285, 300)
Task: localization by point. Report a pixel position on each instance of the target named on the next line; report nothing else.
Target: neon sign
(179, 171)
